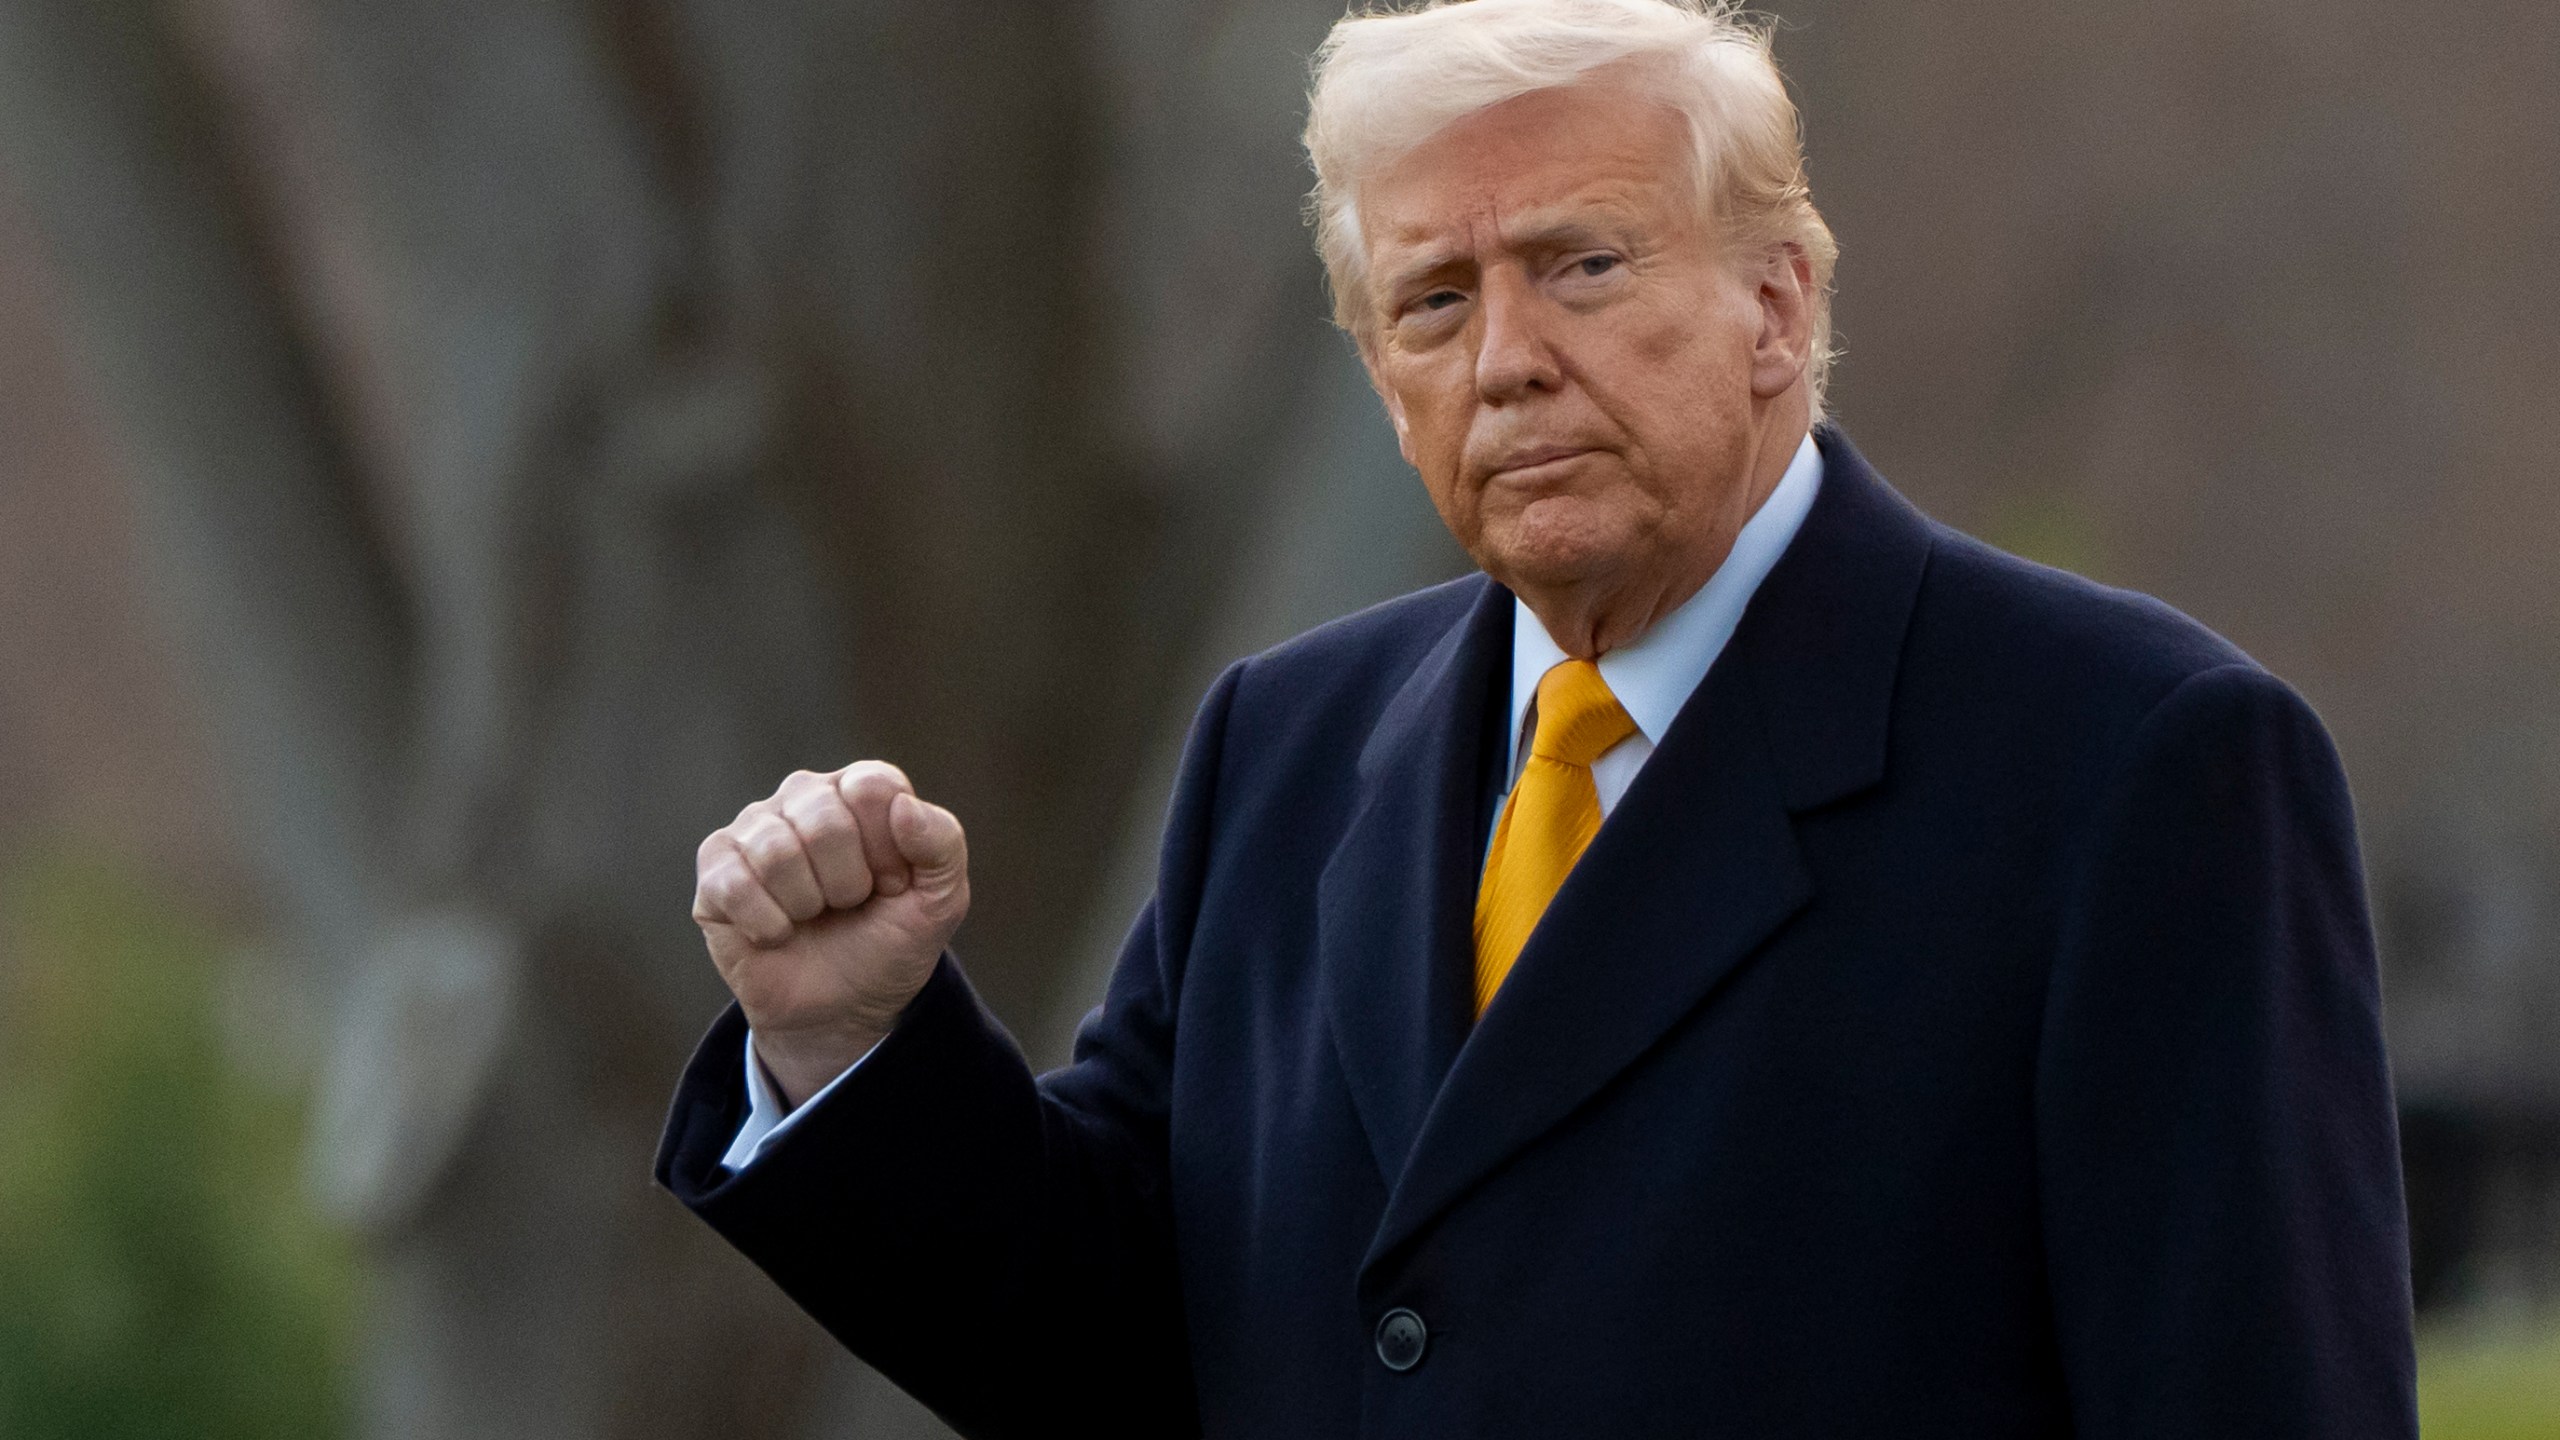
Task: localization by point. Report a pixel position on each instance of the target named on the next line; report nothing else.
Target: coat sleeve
(999, 1246)
(2224, 1231)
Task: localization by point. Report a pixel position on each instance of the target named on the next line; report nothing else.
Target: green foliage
(2489, 1383)
(2050, 530)
(164, 1274)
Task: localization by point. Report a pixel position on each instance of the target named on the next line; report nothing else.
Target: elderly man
(1752, 962)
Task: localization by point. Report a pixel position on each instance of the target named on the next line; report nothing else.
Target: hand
(826, 907)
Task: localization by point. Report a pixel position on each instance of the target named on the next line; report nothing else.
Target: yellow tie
(1553, 812)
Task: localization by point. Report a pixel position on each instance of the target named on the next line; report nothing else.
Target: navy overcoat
(1966, 1026)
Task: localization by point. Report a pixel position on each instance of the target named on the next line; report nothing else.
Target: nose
(1514, 355)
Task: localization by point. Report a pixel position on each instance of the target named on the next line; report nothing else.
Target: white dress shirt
(1653, 677)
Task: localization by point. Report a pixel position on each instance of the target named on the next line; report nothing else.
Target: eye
(1596, 265)
(1439, 300)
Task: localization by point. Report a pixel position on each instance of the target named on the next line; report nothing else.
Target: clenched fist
(826, 907)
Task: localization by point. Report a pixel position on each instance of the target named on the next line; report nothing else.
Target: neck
(1589, 619)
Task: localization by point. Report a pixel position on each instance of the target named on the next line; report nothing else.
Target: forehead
(1510, 173)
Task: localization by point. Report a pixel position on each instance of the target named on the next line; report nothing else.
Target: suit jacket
(1966, 1026)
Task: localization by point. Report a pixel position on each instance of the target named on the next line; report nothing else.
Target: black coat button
(1401, 1337)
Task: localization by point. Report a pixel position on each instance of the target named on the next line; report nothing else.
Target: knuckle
(768, 845)
(876, 775)
(824, 823)
(727, 889)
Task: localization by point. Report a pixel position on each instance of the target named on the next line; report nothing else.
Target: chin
(1555, 545)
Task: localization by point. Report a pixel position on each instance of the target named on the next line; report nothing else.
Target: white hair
(1387, 80)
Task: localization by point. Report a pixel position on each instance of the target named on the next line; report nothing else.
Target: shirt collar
(1653, 676)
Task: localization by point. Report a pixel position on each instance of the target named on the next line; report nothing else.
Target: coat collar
(1696, 867)
(1822, 641)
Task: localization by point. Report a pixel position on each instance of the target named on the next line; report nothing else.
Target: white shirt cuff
(767, 1117)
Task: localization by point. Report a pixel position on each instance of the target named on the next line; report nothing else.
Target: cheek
(1683, 387)
(1460, 505)
(1433, 431)
(1679, 351)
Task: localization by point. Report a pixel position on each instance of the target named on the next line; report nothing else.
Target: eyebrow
(1538, 235)
(1559, 233)
(1404, 277)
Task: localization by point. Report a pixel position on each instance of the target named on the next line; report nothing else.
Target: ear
(1388, 397)
(1785, 343)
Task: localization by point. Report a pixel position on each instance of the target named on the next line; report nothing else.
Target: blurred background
(453, 455)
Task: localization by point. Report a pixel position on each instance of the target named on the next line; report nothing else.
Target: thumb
(930, 839)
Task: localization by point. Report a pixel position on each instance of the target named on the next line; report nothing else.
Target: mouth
(1534, 465)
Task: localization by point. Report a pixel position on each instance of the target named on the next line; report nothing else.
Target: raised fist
(826, 906)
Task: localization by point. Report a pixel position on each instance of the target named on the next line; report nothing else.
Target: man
(1753, 962)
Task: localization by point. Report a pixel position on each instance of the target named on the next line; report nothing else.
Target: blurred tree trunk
(454, 476)
(555, 420)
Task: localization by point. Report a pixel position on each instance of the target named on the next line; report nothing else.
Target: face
(1583, 376)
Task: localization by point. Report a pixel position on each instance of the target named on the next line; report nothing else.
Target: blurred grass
(2478, 1381)
(164, 1274)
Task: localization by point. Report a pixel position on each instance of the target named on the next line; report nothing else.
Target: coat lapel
(1698, 866)
(1395, 900)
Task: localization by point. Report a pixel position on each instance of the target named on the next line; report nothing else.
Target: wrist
(800, 1064)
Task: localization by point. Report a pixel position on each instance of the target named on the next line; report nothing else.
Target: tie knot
(1578, 718)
